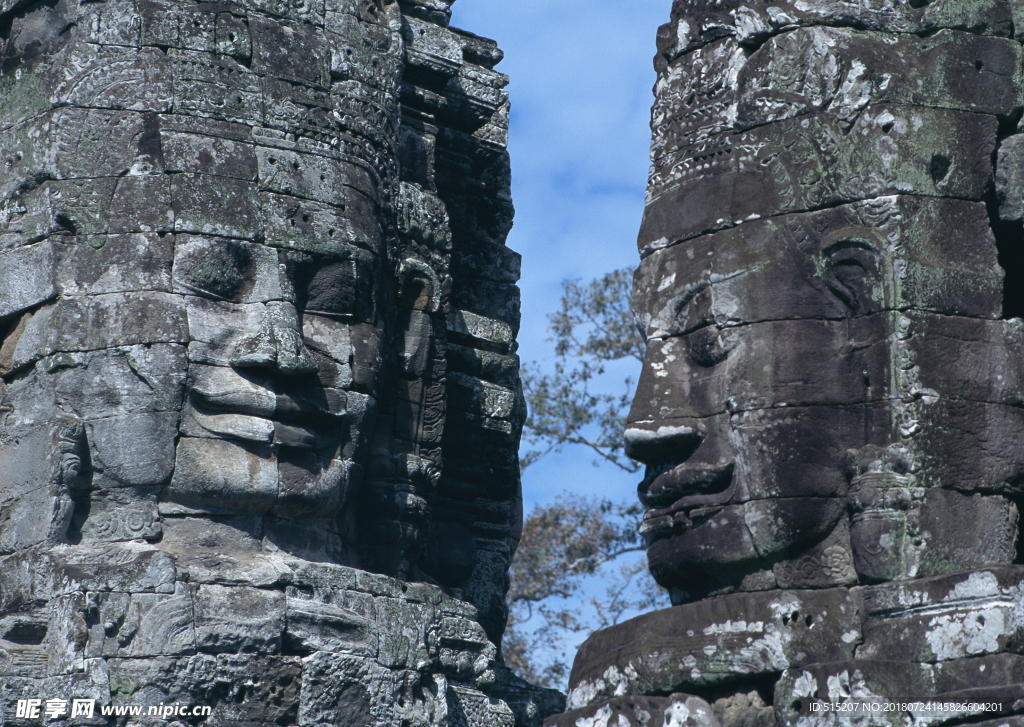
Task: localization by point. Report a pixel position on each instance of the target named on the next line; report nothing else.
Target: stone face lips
(257, 318)
(829, 409)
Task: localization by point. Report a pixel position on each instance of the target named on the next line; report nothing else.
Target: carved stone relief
(259, 398)
(830, 407)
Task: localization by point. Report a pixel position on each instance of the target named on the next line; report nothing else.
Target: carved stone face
(202, 278)
(794, 364)
(272, 418)
(827, 372)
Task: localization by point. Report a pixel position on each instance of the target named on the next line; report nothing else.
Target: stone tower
(259, 405)
(830, 410)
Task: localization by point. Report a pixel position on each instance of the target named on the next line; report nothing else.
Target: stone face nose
(277, 344)
(662, 444)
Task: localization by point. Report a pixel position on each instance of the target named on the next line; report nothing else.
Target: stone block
(120, 514)
(208, 154)
(27, 514)
(472, 395)
(100, 206)
(27, 277)
(305, 11)
(219, 550)
(488, 261)
(119, 567)
(676, 710)
(328, 336)
(134, 449)
(120, 381)
(196, 30)
(864, 685)
(272, 691)
(237, 619)
(809, 162)
(215, 87)
(306, 176)
(33, 501)
(97, 322)
(943, 618)
(116, 78)
(29, 95)
(308, 226)
(844, 71)
(314, 626)
(696, 24)
(218, 330)
(227, 269)
(371, 67)
(1010, 178)
(126, 263)
(713, 371)
(402, 632)
(491, 299)
(709, 642)
(233, 36)
(965, 445)
(291, 51)
(486, 365)
(208, 477)
(293, 110)
(89, 143)
(342, 689)
(143, 625)
(890, 253)
(486, 333)
(235, 213)
(117, 25)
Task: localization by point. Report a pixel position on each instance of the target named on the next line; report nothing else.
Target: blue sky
(581, 83)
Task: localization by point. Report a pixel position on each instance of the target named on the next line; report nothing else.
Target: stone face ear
(38, 484)
(851, 271)
(70, 453)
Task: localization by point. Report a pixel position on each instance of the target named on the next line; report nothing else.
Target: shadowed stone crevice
(1004, 219)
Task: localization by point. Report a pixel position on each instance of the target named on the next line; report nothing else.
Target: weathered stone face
(809, 238)
(270, 382)
(737, 387)
(234, 209)
(830, 405)
(259, 398)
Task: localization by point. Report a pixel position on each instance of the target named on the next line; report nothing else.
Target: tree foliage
(565, 545)
(592, 327)
(573, 572)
